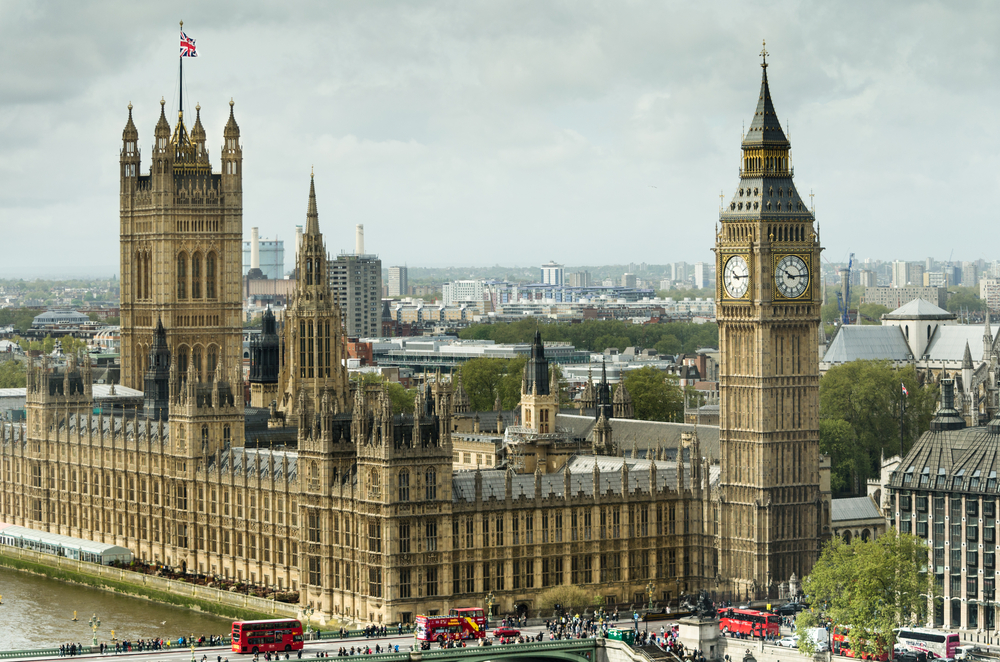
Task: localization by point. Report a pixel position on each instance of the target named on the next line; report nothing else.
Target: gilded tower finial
(764, 54)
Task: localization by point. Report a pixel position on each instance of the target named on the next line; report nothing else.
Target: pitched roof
(842, 510)
(645, 435)
(919, 309)
(854, 342)
(949, 341)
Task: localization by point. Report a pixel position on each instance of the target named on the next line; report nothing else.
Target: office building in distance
(356, 282)
(398, 285)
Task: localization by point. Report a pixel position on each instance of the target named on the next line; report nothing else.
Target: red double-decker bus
(748, 621)
(841, 644)
(469, 623)
(267, 636)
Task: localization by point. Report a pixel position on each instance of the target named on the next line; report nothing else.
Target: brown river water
(37, 612)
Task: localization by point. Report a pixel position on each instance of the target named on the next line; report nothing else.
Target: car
(910, 656)
(506, 632)
(786, 610)
(789, 641)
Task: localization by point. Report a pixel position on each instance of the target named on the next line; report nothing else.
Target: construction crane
(844, 296)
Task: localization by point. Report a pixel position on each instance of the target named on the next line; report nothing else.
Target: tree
(655, 396)
(866, 395)
(483, 380)
(71, 345)
(805, 620)
(12, 374)
(837, 440)
(871, 313)
(400, 397)
(964, 298)
(874, 586)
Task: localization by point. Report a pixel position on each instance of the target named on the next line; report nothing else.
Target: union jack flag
(905, 392)
(187, 46)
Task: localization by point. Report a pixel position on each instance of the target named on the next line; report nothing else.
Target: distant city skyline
(594, 133)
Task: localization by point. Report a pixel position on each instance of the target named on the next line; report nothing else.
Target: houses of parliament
(365, 517)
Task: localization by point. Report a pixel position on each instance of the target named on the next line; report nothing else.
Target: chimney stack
(254, 248)
(359, 239)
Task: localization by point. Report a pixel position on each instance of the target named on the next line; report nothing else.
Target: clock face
(791, 275)
(736, 276)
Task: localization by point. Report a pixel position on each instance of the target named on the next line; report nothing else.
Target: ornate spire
(130, 132)
(232, 129)
(312, 215)
(197, 131)
(765, 128)
(967, 360)
(162, 125)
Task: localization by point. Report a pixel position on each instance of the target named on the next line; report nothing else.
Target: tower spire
(312, 215)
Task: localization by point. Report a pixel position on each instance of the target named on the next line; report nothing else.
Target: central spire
(312, 215)
(765, 129)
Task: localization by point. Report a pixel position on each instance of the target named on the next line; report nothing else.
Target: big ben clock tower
(767, 258)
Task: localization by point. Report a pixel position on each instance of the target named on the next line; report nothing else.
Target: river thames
(38, 613)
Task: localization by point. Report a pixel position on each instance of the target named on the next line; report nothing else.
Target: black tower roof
(264, 362)
(765, 129)
(536, 370)
(156, 398)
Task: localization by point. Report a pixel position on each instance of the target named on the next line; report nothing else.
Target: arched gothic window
(430, 485)
(196, 276)
(182, 276)
(404, 485)
(210, 276)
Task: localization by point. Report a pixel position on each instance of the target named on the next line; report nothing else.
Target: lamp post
(94, 623)
(649, 593)
(490, 598)
(307, 611)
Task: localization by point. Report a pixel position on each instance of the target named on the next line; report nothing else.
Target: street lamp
(94, 623)
(308, 612)
(490, 599)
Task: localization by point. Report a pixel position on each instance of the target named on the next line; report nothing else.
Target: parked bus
(842, 646)
(449, 628)
(280, 634)
(927, 640)
(749, 621)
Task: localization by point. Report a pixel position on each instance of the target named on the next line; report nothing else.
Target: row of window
(198, 281)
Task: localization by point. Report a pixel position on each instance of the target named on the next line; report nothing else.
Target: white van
(820, 638)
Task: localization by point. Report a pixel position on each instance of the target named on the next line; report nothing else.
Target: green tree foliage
(656, 396)
(12, 374)
(865, 395)
(874, 586)
(401, 398)
(598, 335)
(806, 619)
(871, 313)
(484, 378)
(72, 345)
(964, 298)
(21, 318)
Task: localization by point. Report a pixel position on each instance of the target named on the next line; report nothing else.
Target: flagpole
(180, 58)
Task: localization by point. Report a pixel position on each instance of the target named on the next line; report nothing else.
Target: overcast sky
(510, 132)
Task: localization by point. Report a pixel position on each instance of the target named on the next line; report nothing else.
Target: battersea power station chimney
(254, 248)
